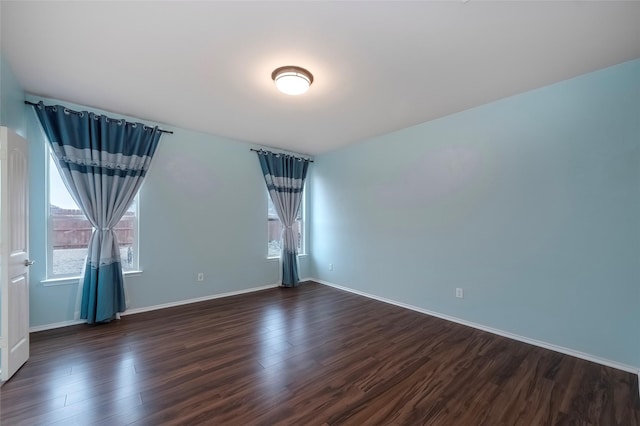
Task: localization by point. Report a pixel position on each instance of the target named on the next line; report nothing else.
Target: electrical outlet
(200, 276)
(331, 266)
(459, 293)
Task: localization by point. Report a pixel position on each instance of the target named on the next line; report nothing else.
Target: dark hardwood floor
(308, 356)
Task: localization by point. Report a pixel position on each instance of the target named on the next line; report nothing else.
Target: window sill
(278, 257)
(74, 280)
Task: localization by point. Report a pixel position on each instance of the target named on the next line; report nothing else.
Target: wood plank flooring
(308, 356)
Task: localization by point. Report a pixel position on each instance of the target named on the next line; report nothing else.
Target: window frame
(50, 275)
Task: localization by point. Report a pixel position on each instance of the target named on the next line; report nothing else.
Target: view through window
(69, 232)
(275, 229)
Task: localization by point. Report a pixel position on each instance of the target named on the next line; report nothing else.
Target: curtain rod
(280, 153)
(78, 112)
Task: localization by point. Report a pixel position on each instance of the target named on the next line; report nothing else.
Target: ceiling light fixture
(292, 80)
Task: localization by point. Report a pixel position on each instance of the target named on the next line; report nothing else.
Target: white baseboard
(55, 325)
(535, 342)
(155, 307)
(197, 299)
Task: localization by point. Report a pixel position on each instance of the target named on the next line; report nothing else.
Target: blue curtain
(285, 176)
(103, 162)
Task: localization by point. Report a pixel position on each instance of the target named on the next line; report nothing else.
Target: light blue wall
(203, 208)
(531, 204)
(12, 107)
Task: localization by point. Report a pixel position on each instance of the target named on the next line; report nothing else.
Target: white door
(14, 253)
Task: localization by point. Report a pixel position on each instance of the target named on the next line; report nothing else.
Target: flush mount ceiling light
(292, 80)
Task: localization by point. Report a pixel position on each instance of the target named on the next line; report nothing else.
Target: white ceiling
(378, 66)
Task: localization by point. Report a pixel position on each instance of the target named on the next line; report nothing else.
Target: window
(69, 232)
(275, 229)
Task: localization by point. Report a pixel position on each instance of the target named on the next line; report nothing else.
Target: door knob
(28, 262)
